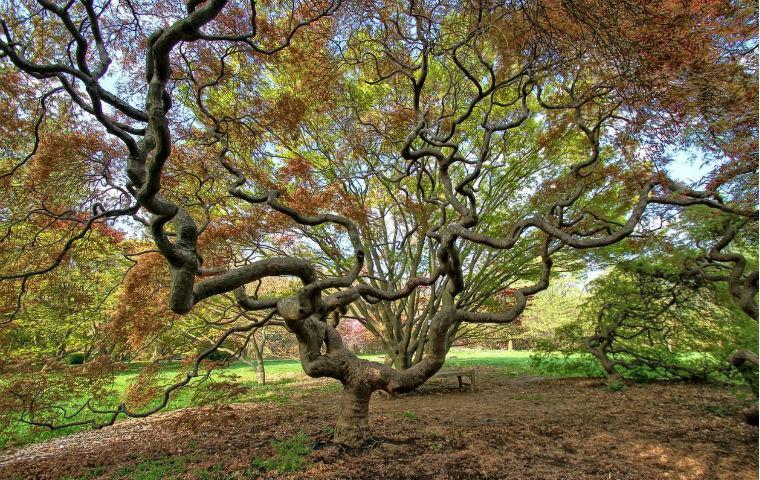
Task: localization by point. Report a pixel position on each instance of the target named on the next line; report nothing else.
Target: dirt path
(525, 428)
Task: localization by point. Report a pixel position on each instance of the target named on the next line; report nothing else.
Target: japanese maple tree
(506, 134)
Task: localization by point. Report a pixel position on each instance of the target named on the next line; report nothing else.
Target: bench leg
(387, 395)
(459, 377)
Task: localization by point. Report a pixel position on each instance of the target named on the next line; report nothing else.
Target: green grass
(286, 381)
(719, 410)
(511, 363)
(165, 468)
(290, 455)
(507, 362)
(408, 415)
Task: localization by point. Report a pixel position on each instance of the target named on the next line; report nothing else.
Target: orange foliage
(141, 310)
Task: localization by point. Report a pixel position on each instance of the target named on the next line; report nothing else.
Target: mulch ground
(525, 428)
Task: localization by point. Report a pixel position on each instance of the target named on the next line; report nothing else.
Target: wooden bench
(470, 374)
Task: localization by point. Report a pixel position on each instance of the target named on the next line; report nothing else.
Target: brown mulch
(509, 429)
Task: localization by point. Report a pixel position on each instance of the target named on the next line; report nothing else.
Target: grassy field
(507, 362)
(286, 381)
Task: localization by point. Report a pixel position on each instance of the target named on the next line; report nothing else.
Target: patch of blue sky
(689, 166)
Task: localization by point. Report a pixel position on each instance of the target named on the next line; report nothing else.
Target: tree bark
(352, 427)
(260, 372)
(258, 352)
(609, 368)
(402, 360)
(323, 354)
(599, 351)
(746, 363)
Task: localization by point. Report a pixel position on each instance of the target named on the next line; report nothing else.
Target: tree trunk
(600, 352)
(402, 360)
(258, 352)
(746, 362)
(613, 377)
(260, 371)
(323, 354)
(352, 427)
(609, 368)
(388, 360)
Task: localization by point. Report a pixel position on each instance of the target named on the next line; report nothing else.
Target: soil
(522, 428)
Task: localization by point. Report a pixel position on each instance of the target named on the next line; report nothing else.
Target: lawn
(286, 381)
(510, 362)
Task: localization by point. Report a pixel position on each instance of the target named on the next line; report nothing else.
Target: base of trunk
(751, 415)
(352, 428)
(614, 378)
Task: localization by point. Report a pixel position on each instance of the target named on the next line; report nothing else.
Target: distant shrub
(76, 358)
(218, 356)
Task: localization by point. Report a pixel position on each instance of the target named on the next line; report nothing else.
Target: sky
(688, 166)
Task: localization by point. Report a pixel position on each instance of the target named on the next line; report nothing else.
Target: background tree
(648, 318)
(545, 313)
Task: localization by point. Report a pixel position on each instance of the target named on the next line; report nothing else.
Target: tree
(649, 317)
(684, 308)
(436, 95)
(545, 313)
(68, 318)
